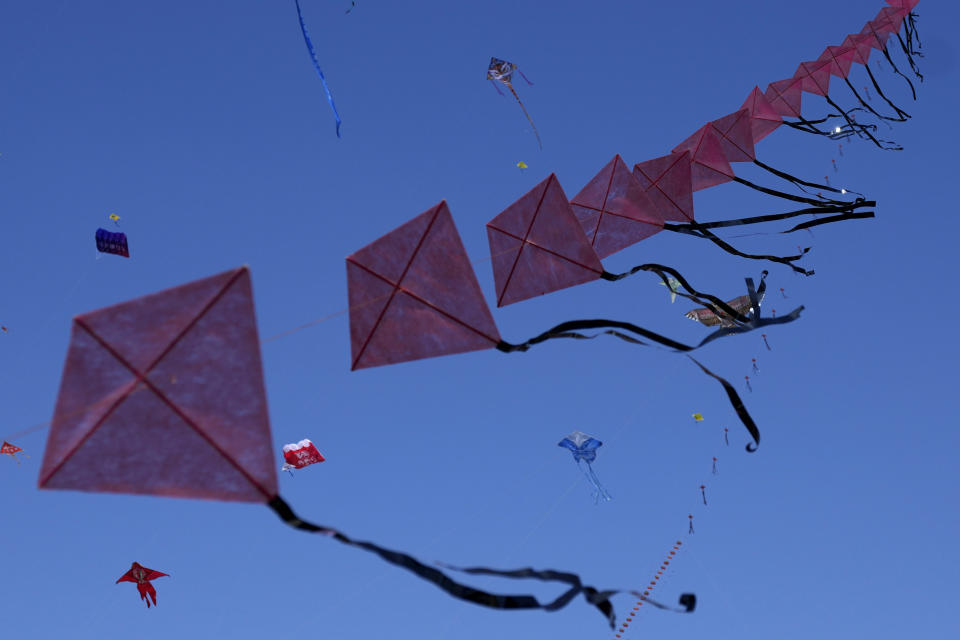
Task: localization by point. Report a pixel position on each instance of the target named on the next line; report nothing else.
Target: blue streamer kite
(584, 449)
(316, 65)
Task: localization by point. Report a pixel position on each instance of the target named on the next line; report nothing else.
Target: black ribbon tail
(737, 404)
(454, 588)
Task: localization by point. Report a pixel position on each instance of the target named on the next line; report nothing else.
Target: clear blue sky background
(203, 125)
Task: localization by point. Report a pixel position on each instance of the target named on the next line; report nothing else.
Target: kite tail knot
(506, 347)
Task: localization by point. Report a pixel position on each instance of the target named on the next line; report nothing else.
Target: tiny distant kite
(674, 285)
(142, 576)
(316, 65)
(10, 450)
(502, 71)
(114, 218)
(4, 329)
(110, 242)
(584, 449)
(698, 417)
(299, 455)
(522, 165)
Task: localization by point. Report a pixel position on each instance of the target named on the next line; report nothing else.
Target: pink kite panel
(537, 245)
(164, 395)
(614, 210)
(860, 43)
(785, 96)
(708, 163)
(764, 119)
(904, 4)
(877, 34)
(735, 136)
(668, 182)
(840, 59)
(814, 77)
(413, 294)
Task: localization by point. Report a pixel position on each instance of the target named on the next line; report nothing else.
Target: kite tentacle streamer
(316, 65)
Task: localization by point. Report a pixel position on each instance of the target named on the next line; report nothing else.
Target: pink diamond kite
(537, 246)
(814, 77)
(413, 294)
(840, 59)
(163, 395)
(614, 209)
(708, 163)
(735, 136)
(785, 96)
(764, 119)
(668, 182)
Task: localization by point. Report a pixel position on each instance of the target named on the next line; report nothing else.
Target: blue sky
(205, 128)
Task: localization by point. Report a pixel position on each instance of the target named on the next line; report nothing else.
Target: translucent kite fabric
(164, 395)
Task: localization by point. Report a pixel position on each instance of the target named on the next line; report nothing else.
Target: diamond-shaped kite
(537, 246)
(413, 294)
(668, 182)
(164, 395)
(615, 210)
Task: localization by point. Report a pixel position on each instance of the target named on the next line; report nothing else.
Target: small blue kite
(584, 449)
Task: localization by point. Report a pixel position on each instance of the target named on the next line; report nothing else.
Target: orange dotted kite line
(650, 587)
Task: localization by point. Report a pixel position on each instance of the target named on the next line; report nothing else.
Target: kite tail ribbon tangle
(148, 404)
(413, 294)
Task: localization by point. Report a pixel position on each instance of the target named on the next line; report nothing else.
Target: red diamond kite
(537, 246)
(413, 294)
(163, 395)
(614, 210)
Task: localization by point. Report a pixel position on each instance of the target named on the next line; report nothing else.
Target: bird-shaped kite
(142, 576)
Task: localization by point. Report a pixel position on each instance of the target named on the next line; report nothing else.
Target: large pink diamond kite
(614, 209)
(164, 395)
(537, 246)
(413, 295)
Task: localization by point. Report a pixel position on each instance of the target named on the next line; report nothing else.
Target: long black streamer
(601, 600)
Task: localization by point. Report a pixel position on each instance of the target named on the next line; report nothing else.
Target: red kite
(142, 577)
(11, 450)
(164, 395)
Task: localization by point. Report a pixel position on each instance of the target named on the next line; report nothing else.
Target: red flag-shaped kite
(11, 450)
